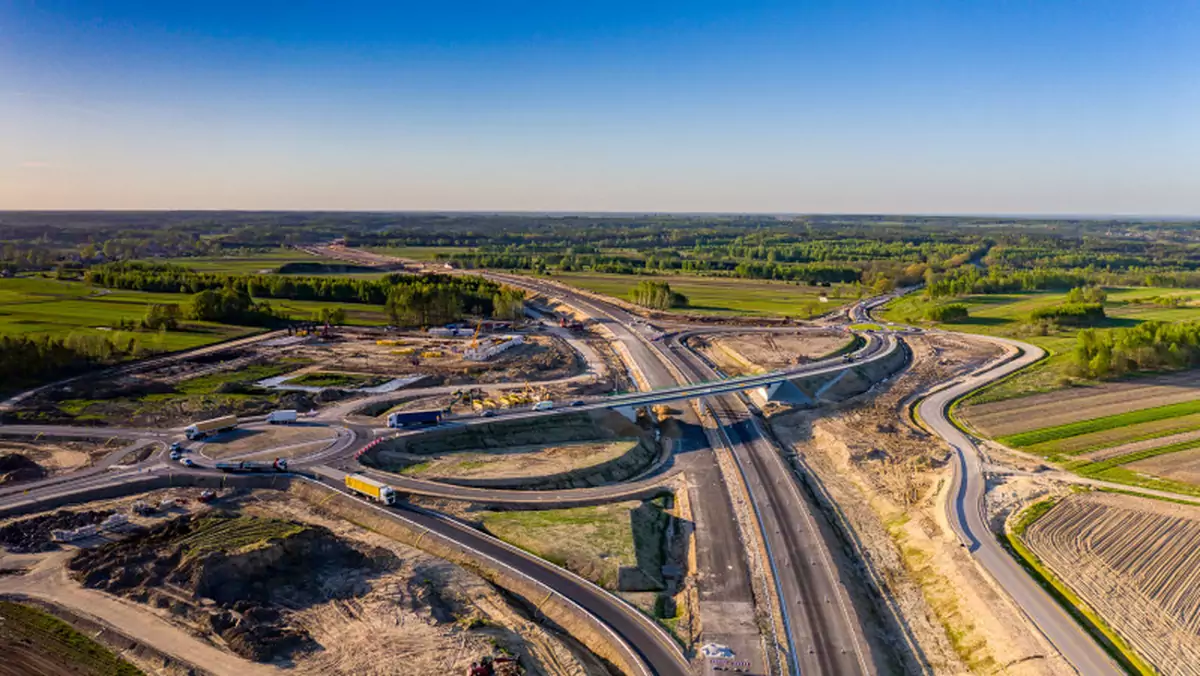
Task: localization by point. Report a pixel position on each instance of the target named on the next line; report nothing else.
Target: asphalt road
(966, 514)
(824, 635)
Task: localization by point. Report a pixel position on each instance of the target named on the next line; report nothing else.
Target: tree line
(657, 296)
(1149, 346)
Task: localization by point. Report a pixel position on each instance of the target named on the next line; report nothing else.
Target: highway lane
(824, 635)
(965, 511)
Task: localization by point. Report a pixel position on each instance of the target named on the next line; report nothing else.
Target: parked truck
(376, 490)
(245, 466)
(204, 428)
(283, 417)
(414, 418)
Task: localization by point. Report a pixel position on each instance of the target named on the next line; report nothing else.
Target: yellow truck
(204, 428)
(376, 490)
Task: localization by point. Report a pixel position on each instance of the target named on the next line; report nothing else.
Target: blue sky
(913, 107)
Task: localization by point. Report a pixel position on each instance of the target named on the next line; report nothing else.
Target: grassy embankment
(1007, 315)
(1109, 640)
(716, 295)
(31, 639)
(342, 380)
(417, 253)
(596, 543)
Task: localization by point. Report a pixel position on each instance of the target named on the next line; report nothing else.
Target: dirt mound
(16, 467)
(33, 535)
(240, 577)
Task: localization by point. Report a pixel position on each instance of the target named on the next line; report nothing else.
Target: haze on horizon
(1050, 107)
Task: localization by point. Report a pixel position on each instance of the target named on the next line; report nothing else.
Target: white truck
(282, 417)
(376, 490)
(544, 405)
(204, 428)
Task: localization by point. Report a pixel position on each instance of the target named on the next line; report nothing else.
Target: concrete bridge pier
(630, 412)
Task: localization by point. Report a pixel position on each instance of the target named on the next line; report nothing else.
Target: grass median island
(33, 641)
(521, 462)
(593, 542)
(342, 380)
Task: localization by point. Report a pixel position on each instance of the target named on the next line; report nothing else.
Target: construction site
(467, 368)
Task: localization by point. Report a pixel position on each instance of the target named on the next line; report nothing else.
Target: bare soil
(1012, 416)
(758, 352)
(54, 456)
(422, 616)
(888, 480)
(284, 441)
(1137, 563)
(1183, 466)
(521, 462)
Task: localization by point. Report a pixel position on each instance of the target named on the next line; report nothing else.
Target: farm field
(715, 295)
(40, 306)
(36, 306)
(1007, 315)
(1136, 562)
(1077, 404)
(266, 262)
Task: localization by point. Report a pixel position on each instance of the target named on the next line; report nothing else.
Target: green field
(249, 264)
(716, 295)
(36, 306)
(41, 306)
(1145, 415)
(1094, 441)
(32, 640)
(344, 380)
(417, 253)
(1007, 315)
(594, 542)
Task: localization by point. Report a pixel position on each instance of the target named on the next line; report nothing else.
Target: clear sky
(1038, 106)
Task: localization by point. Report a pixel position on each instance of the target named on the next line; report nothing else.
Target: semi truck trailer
(282, 417)
(376, 490)
(204, 428)
(280, 465)
(414, 418)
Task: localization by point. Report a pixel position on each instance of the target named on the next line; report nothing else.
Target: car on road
(577, 402)
(176, 446)
(712, 650)
(188, 462)
(175, 455)
(488, 414)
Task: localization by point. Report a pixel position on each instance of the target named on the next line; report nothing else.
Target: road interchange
(822, 634)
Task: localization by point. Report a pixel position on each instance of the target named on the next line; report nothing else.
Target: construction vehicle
(282, 417)
(204, 428)
(413, 418)
(376, 490)
(494, 666)
(247, 466)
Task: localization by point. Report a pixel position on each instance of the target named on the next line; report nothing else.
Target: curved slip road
(965, 511)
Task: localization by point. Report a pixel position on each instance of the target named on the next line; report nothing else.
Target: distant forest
(952, 255)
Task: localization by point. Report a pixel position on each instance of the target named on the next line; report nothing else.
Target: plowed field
(1014, 416)
(1137, 563)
